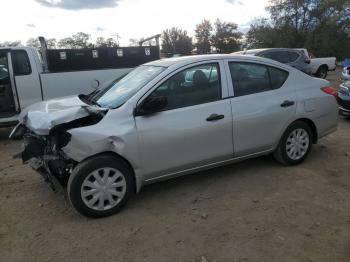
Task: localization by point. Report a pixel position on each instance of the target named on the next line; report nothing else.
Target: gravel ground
(256, 210)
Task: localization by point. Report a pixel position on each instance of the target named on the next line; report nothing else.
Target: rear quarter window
(293, 56)
(277, 77)
(279, 56)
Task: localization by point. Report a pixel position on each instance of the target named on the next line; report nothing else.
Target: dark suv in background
(292, 57)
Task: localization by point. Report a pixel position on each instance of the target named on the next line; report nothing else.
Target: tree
(133, 42)
(176, 41)
(261, 34)
(109, 42)
(202, 35)
(51, 43)
(33, 42)
(305, 23)
(66, 42)
(79, 40)
(11, 44)
(226, 37)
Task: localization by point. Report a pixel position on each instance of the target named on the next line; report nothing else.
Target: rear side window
(279, 56)
(20, 62)
(250, 78)
(293, 56)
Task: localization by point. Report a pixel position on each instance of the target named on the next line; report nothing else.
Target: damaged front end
(44, 139)
(44, 155)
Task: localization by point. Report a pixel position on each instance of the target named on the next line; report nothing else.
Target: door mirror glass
(152, 104)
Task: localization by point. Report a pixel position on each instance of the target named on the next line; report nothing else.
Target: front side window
(193, 86)
(21, 64)
(123, 89)
(250, 78)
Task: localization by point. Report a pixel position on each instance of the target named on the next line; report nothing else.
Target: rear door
(7, 98)
(262, 105)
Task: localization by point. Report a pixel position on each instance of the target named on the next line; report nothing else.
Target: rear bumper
(344, 104)
(343, 111)
(343, 101)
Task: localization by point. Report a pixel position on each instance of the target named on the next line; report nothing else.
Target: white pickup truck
(320, 66)
(25, 77)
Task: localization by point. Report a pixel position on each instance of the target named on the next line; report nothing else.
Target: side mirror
(151, 105)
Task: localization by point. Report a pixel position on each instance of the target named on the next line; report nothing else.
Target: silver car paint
(258, 118)
(180, 141)
(41, 117)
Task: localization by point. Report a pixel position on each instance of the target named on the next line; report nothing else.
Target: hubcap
(297, 144)
(103, 189)
(323, 73)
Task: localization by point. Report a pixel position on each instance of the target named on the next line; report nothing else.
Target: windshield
(123, 89)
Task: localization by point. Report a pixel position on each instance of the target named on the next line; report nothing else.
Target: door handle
(287, 103)
(214, 117)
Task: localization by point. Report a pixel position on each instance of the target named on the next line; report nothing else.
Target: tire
(284, 152)
(322, 72)
(104, 181)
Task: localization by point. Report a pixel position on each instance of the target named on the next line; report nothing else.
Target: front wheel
(295, 144)
(100, 186)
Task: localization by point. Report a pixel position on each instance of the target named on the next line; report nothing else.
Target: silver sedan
(173, 117)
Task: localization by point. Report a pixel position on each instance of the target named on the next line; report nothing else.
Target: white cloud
(78, 4)
(130, 18)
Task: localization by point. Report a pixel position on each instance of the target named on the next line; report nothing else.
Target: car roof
(167, 62)
(261, 50)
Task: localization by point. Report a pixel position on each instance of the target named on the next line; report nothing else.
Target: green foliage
(79, 40)
(11, 44)
(33, 42)
(322, 26)
(226, 37)
(176, 41)
(109, 42)
(51, 43)
(203, 33)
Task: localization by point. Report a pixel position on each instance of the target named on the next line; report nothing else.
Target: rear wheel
(100, 186)
(322, 72)
(295, 144)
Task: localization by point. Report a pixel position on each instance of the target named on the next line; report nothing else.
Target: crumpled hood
(43, 116)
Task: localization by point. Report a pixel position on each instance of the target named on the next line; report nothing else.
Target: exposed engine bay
(43, 144)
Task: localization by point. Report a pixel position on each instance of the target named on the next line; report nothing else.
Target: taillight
(330, 91)
(307, 60)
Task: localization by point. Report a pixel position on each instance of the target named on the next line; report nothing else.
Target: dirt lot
(256, 210)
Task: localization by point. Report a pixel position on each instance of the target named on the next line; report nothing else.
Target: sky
(23, 19)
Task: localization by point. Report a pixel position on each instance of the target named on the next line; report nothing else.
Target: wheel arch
(312, 126)
(323, 65)
(137, 182)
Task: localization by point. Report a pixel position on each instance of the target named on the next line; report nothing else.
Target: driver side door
(195, 127)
